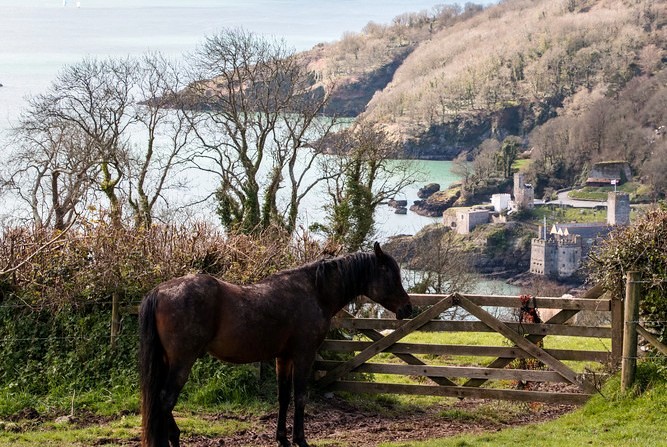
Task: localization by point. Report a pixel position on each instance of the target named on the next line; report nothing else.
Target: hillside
(361, 64)
(492, 72)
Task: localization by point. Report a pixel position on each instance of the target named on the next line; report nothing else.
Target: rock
(68, 419)
(397, 203)
(401, 210)
(11, 427)
(483, 254)
(436, 204)
(427, 191)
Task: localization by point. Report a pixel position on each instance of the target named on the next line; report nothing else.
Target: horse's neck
(343, 284)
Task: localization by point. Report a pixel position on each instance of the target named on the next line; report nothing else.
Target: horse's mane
(353, 271)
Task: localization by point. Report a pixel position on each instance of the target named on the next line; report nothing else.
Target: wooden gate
(384, 335)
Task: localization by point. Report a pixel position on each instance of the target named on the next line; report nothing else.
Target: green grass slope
(637, 418)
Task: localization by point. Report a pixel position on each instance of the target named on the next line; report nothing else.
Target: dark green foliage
(365, 176)
(46, 352)
(650, 373)
(641, 247)
(352, 218)
(213, 383)
(507, 155)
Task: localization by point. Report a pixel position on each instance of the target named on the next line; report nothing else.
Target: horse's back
(238, 324)
(187, 312)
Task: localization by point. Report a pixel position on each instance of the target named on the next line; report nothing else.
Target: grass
(600, 193)
(53, 434)
(101, 402)
(116, 432)
(110, 416)
(554, 213)
(495, 339)
(521, 164)
(637, 418)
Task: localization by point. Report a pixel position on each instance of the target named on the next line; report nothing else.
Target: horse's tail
(153, 373)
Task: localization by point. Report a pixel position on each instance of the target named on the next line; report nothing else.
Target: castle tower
(618, 208)
(523, 192)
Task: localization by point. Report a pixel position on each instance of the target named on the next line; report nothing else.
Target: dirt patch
(335, 422)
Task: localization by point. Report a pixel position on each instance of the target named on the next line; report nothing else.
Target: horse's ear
(378, 251)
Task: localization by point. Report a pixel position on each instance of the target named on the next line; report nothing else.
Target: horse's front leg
(284, 369)
(301, 373)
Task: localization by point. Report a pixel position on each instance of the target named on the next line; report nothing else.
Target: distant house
(609, 173)
(500, 202)
(464, 220)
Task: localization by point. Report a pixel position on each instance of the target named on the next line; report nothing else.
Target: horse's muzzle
(404, 311)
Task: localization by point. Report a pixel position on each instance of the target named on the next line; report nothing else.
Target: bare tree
(257, 119)
(368, 174)
(166, 132)
(110, 128)
(437, 258)
(93, 99)
(51, 168)
(655, 169)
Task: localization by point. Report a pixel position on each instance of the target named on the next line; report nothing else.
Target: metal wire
(70, 338)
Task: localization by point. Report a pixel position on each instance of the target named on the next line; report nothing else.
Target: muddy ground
(335, 422)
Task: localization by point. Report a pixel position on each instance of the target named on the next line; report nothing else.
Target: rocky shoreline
(431, 203)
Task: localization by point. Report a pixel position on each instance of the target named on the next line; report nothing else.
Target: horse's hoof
(283, 442)
(302, 443)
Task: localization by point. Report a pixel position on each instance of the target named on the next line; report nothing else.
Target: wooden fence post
(629, 362)
(115, 318)
(617, 323)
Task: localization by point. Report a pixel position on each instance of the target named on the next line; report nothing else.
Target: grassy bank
(637, 418)
(600, 193)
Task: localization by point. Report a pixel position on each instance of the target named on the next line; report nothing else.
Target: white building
(501, 202)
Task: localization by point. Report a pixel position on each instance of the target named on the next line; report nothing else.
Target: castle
(524, 195)
(559, 253)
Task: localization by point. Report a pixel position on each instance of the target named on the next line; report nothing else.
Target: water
(391, 224)
(39, 37)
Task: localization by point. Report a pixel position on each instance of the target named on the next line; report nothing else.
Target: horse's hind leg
(176, 378)
(174, 433)
(302, 366)
(284, 376)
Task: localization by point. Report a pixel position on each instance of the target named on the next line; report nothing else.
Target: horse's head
(385, 286)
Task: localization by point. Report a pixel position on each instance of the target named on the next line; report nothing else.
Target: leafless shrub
(90, 263)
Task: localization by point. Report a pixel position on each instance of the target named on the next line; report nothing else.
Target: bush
(640, 247)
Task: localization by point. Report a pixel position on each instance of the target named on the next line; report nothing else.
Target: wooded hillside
(457, 76)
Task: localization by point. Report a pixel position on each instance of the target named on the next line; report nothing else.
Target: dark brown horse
(285, 317)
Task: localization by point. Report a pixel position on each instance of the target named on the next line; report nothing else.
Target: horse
(285, 316)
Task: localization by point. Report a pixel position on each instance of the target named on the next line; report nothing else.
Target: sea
(39, 37)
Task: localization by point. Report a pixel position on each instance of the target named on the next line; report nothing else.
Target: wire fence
(84, 303)
(66, 337)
